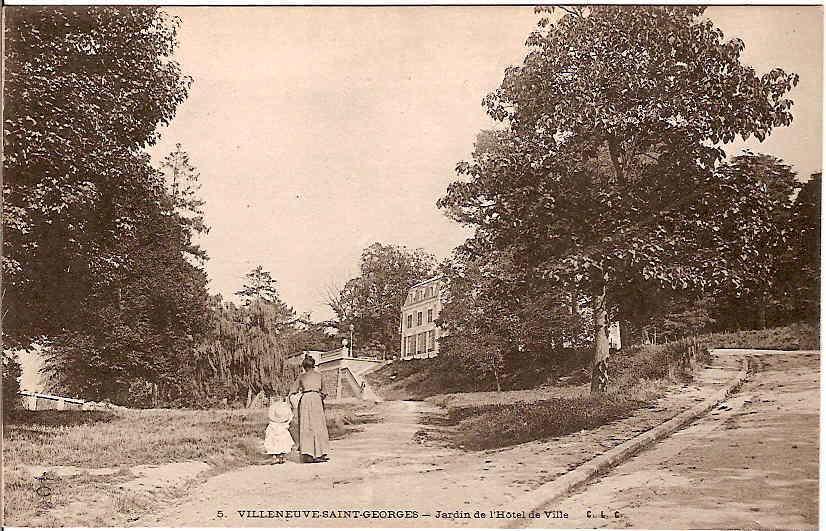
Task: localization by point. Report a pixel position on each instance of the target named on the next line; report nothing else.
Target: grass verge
(95, 440)
(496, 426)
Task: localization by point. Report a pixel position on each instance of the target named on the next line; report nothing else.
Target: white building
(420, 335)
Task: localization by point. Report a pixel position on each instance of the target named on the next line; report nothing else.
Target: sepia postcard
(423, 266)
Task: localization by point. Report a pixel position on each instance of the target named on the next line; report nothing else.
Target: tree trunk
(614, 152)
(496, 376)
(762, 313)
(599, 369)
(573, 309)
(249, 396)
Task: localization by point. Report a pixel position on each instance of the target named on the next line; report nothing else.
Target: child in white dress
(277, 441)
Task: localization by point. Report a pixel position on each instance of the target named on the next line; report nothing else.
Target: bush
(674, 361)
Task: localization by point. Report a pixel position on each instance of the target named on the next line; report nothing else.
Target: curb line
(561, 486)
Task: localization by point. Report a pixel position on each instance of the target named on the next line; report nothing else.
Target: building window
(410, 321)
(430, 291)
(419, 319)
(422, 343)
(411, 345)
(431, 341)
(430, 315)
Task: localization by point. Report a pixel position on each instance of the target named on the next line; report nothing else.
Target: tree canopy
(99, 262)
(246, 348)
(606, 175)
(85, 88)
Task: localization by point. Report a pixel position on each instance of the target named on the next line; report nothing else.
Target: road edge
(554, 490)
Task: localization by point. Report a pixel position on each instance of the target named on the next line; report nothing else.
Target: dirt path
(753, 464)
(391, 466)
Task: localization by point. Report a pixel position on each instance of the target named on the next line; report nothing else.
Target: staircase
(350, 384)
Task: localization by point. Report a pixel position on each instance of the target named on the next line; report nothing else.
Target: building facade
(420, 335)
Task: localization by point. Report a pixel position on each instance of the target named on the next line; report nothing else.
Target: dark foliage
(99, 264)
(11, 384)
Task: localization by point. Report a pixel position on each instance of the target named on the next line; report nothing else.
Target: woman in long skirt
(313, 439)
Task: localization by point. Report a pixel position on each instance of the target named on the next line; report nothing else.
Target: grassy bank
(496, 426)
(798, 336)
(224, 439)
(640, 375)
(432, 378)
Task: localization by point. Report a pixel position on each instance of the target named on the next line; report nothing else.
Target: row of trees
(607, 185)
(606, 197)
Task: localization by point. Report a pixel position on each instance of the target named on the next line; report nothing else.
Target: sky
(319, 130)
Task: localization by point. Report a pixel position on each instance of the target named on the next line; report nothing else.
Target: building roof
(423, 282)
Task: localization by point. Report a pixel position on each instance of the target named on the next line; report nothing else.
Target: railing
(63, 402)
(335, 354)
(52, 397)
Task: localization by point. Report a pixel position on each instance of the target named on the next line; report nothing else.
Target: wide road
(751, 463)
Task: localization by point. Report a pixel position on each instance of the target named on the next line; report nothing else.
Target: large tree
(246, 348)
(606, 176)
(85, 90)
(245, 351)
(99, 261)
(372, 301)
(764, 285)
(139, 321)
